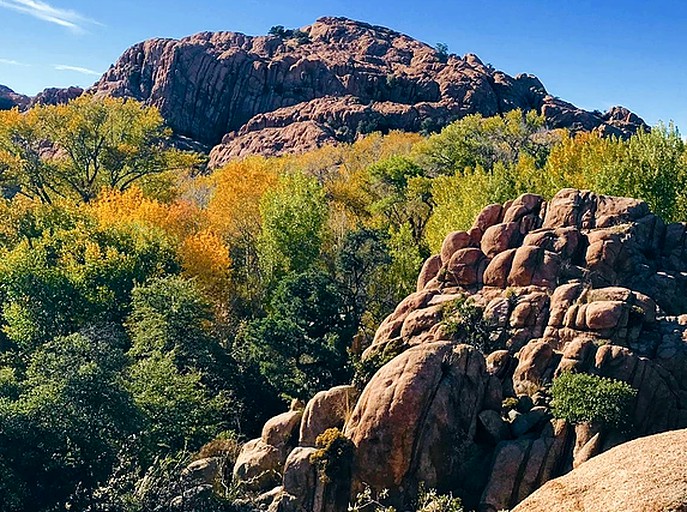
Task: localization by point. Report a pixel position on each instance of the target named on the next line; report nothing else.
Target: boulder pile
(458, 399)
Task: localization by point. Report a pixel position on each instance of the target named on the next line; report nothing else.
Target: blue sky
(592, 53)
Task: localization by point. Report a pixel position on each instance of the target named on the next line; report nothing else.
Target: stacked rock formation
(583, 283)
(337, 78)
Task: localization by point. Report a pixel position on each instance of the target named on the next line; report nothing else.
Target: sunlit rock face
(275, 94)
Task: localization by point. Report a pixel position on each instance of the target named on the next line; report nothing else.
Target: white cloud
(77, 69)
(10, 62)
(46, 12)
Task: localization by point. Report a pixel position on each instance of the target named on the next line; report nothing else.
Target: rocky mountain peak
(10, 99)
(56, 95)
(51, 96)
(296, 89)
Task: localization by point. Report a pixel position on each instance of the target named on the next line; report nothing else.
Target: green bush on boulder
(583, 398)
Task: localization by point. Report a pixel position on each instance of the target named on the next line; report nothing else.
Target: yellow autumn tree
(90, 144)
(236, 190)
(577, 159)
(202, 251)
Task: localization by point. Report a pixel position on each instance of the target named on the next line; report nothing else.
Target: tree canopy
(78, 149)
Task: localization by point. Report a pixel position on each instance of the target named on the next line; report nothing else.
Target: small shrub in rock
(224, 445)
(465, 323)
(278, 31)
(509, 404)
(366, 368)
(583, 398)
(333, 455)
(287, 33)
(431, 501)
(368, 501)
(427, 501)
(442, 52)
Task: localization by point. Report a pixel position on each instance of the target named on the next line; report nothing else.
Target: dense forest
(154, 311)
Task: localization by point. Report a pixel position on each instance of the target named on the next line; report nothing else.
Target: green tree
(60, 436)
(169, 315)
(300, 347)
(183, 362)
(23, 167)
(442, 51)
(476, 141)
(72, 273)
(178, 410)
(293, 225)
(653, 167)
(376, 270)
(76, 150)
(400, 194)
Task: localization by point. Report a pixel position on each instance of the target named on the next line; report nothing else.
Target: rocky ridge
(339, 78)
(10, 99)
(51, 96)
(582, 283)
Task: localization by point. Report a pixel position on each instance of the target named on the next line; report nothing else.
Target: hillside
(327, 83)
(154, 317)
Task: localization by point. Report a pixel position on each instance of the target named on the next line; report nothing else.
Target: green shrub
(509, 403)
(431, 501)
(333, 455)
(368, 501)
(465, 323)
(580, 398)
(289, 33)
(366, 368)
(428, 500)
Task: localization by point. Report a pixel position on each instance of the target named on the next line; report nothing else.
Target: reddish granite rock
(454, 242)
(272, 95)
(429, 271)
(645, 475)
(500, 237)
(583, 283)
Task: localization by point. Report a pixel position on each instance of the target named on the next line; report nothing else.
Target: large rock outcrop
(10, 99)
(422, 402)
(581, 283)
(51, 96)
(338, 78)
(645, 475)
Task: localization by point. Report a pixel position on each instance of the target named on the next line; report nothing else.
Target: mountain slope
(325, 83)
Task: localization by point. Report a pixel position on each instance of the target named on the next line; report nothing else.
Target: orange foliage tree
(203, 253)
